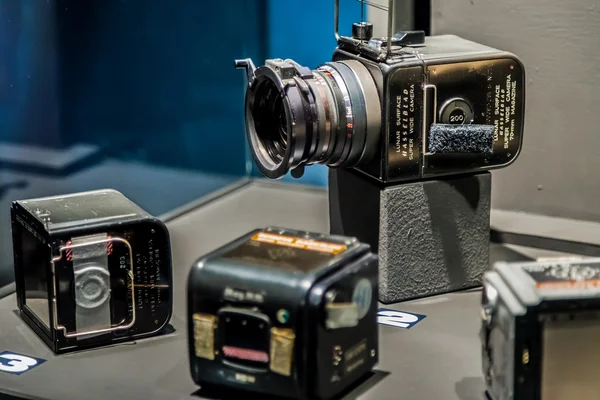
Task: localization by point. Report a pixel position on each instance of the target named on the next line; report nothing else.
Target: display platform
(438, 358)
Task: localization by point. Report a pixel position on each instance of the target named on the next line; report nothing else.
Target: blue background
(150, 81)
(150, 84)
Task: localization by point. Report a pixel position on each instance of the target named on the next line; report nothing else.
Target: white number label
(16, 363)
(457, 118)
(397, 319)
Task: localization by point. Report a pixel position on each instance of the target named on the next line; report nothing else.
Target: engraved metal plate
(282, 350)
(204, 335)
(355, 357)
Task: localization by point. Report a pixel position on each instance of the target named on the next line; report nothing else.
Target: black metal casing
(540, 323)
(491, 81)
(255, 297)
(139, 288)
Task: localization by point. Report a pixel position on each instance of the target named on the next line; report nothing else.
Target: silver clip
(68, 249)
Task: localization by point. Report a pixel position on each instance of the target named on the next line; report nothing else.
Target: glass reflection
(140, 96)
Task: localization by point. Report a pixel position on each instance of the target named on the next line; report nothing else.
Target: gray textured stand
(432, 237)
(439, 358)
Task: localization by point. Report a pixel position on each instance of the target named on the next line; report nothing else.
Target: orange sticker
(305, 244)
(591, 284)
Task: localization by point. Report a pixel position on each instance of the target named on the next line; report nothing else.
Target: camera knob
(362, 31)
(456, 111)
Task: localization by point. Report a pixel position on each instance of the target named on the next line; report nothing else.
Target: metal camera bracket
(90, 272)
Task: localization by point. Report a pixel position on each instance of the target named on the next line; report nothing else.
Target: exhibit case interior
(143, 98)
(127, 95)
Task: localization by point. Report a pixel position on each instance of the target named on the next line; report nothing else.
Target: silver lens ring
(339, 81)
(372, 106)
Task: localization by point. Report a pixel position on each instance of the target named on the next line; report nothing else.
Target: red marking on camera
(69, 252)
(245, 354)
(109, 247)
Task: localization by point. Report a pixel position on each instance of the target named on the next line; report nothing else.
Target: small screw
(525, 356)
(373, 353)
(337, 355)
(244, 322)
(156, 321)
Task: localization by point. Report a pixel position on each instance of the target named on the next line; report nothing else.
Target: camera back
(285, 313)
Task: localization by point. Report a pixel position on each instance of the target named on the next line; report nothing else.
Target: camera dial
(456, 111)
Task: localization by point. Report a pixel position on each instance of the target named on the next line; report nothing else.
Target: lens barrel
(297, 117)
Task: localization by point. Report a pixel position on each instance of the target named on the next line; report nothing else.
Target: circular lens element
(270, 121)
(295, 116)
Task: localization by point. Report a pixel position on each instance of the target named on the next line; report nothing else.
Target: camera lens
(295, 116)
(270, 121)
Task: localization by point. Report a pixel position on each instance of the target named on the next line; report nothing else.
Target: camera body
(444, 80)
(540, 327)
(401, 109)
(91, 269)
(284, 313)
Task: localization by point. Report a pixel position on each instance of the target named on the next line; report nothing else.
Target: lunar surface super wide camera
(541, 323)
(284, 313)
(399, 108)
(91, 269)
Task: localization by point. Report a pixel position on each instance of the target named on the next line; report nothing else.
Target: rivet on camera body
(540, 329)
(91, 269)
(284, 313)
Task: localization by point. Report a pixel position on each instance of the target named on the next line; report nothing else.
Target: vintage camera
(91, 269)
(284, 313)
(540, 329)
(405, 107)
